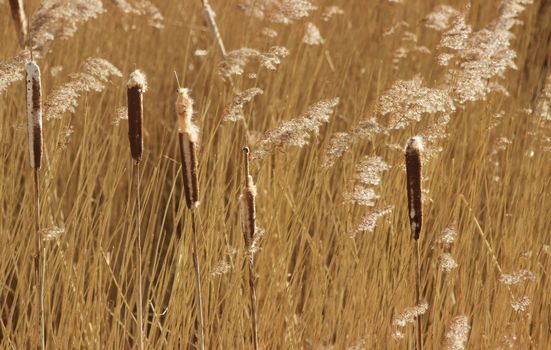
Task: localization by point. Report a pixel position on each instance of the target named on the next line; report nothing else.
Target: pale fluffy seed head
(251, 187)
(184, 110)
(458, 333)
(415, 144)
(137, 79)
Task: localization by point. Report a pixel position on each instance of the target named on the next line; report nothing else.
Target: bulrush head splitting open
(188, 134)
(248, 204)
(34, 113)
(413, 170)
(248, 217)
(19, 21)
(137, 85)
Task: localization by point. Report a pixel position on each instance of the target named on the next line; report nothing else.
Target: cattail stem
(39, 265)
(249, 229)
(197, 269)
(139, 253)
(252, 294)
(188, 189)
(415, 211)
(418, 295)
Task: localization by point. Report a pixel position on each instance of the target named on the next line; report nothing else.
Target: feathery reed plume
(188, 134)
(278, 11)
(408, 100)
(60, 18)
(142, 8)
(248, 217)
(53, 19)
(94, 75)
(415, 210)
(342, 141)
(312, 35)
(19, 21)
(458, 333)
(439, 18)
(234, 111)
(210, 16)
(34, 119)
(235, 61)
(295, 132)
(137, 85)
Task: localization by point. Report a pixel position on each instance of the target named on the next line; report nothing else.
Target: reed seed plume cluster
(293, 242)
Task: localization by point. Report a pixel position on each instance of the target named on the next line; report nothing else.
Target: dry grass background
(317, 287)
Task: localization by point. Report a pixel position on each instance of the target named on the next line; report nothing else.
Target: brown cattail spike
(34, 113)
(413, 170)
(137, 85)
(248, 204)
(19, 21)
(188, 137)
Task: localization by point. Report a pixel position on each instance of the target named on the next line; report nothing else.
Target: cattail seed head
(184, 111)
(248, 205)
(34, 113)
(413, 173)
(188, 136)
(19, 21)
(137, 85)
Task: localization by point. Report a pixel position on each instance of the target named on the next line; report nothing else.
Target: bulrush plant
(34, 120)
(19, 21)
(415, 212)
(188, 136)
(137, 85)
(247, 202)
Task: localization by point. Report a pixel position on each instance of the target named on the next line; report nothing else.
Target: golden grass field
(487, 175)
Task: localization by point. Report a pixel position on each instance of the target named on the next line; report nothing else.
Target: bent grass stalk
(19, 21)
(34, 126)
(248, 217)
(188, 138)
(137, 85)
(415, 211)
(209, 16)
